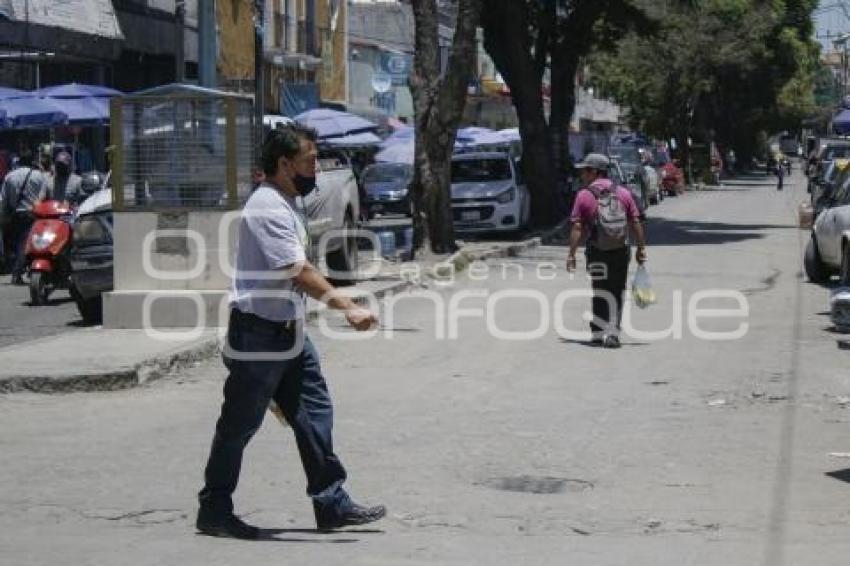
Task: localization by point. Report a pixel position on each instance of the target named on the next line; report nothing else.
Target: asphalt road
(20, 322)
(676, 451)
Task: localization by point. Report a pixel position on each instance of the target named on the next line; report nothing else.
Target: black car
(387, 187)
(91, 256)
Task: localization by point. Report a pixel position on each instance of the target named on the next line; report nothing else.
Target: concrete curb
(461, 259)
(156, 367)
(113, 380)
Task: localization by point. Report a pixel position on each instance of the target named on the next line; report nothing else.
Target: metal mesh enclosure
(182, 151)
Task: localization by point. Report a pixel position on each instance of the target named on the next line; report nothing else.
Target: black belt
(253, 321)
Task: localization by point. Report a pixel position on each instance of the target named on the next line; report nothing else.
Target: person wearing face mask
(267, 353)
(67, 185)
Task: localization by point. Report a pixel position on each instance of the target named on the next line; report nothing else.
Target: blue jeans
(299, 389)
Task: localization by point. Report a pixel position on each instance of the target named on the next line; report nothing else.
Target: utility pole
(207, 51)
(179, 42)
(259, 82)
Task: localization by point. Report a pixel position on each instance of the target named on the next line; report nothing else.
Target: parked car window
(386, 173)
(478, 170)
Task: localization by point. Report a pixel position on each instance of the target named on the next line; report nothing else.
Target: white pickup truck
(332, 212)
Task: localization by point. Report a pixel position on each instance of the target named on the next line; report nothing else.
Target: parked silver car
(489, 193)
(828, 250)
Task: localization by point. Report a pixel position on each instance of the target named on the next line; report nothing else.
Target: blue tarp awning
(32, 112)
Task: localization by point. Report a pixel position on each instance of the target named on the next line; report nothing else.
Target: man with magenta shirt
(605, 214)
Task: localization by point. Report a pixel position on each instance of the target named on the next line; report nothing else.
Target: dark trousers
(299, 389)
(609, 271)
(20, 230)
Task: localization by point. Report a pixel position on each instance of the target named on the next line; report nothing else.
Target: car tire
(91, 310)
(38, 289)
(813, 264)
(344, 261)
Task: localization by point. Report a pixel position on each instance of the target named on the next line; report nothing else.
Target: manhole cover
(540, 485)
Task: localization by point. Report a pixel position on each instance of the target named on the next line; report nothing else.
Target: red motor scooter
(48, 250)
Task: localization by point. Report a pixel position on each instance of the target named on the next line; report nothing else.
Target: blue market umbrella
(84, 104)
(75, 90)
(82, 111)
(31, 112)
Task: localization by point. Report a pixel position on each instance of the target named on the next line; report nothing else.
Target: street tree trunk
(438, 100)
(521, 59)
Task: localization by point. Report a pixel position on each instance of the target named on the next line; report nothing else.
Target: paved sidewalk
(100, 359)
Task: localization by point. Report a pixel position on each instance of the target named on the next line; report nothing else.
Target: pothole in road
(538, 485)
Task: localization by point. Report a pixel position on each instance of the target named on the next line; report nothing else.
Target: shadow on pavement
(840, 475)
(665, 232)
(589, 344)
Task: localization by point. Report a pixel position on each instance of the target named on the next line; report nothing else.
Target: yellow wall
(236, 39)
(332, 74)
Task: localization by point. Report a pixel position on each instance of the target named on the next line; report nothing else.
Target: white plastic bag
(642, 288)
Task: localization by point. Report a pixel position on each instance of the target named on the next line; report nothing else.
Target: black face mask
(304, 185)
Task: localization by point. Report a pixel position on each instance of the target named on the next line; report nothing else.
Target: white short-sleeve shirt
(272, 235)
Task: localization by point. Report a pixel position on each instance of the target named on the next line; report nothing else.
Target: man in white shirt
(269, 356)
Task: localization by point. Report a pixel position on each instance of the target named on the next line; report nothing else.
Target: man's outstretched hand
(361, 319)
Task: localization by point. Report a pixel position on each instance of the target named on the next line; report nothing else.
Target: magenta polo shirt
(585, 207)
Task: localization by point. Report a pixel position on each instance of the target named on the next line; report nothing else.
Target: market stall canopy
(32, 112)
(355, 140)
(333, 123)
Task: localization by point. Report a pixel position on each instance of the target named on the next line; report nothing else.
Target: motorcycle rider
(22, 189)
(66, 184)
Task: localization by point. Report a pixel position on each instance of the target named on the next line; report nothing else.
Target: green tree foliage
(721, 70)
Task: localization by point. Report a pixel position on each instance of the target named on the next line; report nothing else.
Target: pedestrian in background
(605, 214)
(780, 174)
(22, 189)
(262, 351)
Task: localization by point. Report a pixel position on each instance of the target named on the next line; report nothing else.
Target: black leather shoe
(353, 515)
(228, 525)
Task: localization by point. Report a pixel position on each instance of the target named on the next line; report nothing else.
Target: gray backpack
(610, 230)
